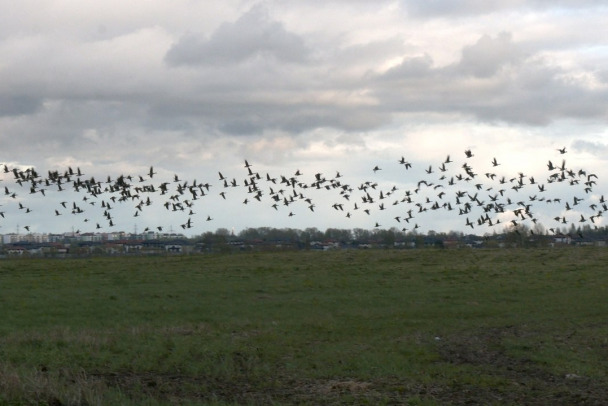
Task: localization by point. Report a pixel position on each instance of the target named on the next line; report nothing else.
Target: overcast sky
(196, 87)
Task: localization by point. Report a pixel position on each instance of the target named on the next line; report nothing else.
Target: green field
(414, 327)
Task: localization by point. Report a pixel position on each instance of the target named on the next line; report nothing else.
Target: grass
(418, 327)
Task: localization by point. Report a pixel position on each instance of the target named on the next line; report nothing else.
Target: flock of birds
(484, 199)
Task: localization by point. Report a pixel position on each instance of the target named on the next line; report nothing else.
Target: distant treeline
(393, 235)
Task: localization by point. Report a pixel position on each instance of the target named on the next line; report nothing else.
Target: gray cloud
(591, 147)
(253, 34)
(417, 67)
(16, 105)
(484, 58)
(250, 117)
(466, 8)
(125, 91)
(493, 81)
(432, 8)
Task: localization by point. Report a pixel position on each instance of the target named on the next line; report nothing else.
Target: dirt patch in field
(490, 376)
(519, 380)
(529, 386)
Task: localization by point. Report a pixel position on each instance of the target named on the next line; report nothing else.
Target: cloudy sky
(196, 87)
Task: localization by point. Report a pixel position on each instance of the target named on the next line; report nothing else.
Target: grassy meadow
(413, 327)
